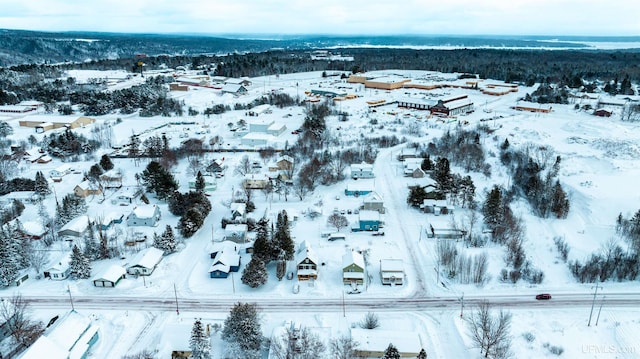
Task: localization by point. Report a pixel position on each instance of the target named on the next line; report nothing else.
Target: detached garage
(110, 277)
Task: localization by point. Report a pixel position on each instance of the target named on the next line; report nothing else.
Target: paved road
(351, 302)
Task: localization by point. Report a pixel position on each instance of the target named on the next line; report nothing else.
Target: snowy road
(391, 304)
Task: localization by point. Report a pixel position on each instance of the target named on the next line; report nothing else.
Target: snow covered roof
(391, 265)
(226, 258)
(33, 228)
(362, 166)
(78, 224)
(360, 185)
(112, 274)
(376, 340)
(68, 338)
(238, 207)
(352, 257)
(110, 217)
(147, 258)
(235, 228)
(373, 197)
(228, 246)
(233, 88)
(369, 215)
(145, 211)
(308, 253)
(62, 264)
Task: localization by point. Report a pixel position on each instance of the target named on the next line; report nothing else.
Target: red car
(544, 296)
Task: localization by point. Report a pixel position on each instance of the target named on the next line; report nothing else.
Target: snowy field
(599, 169)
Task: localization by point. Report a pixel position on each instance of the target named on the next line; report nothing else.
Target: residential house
(234, 89)
(436, 207)
(417, 173)
(145, 262)
(210, 184)
(144, 215)
(368, 221)
(109, 220)
(111, 179)
(238, 210)
(71, 336)
(60, 269)
(392, 271)
(237, 81)
(236, 233)
(373, 202)
(407, 153)
(60, 171)
(110, 277)
(283, 167)
(361, 170)
(410, 165)
(224, 262)
(359, 188)
(353, 268)
(128, 196)
(228, 246)
(33, 230)
(87, 188)
(253, 182)
(307, 263)
(373, 343)
(76, 227)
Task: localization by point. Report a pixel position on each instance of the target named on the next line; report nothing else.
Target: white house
(144, 215)
(392, 271)
(71, 336)
(362, 170)
(236, 233)
(145, 262)
(76, 227)
(60, 171)
(373, 342)
(60, 269)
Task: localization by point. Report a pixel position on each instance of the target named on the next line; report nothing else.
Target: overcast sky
(427, 17)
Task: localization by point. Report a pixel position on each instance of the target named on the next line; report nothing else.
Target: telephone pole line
(593, 303)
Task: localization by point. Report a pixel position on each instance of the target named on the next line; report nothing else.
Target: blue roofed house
(228, 246)
(145, 262)
(71, 336)
(224, 263)
(368, 221)
(109, 220)
(144, 215)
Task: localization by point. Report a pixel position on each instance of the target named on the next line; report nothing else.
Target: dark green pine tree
(199, 343)
(190, 222)
(8, 259)
(255, 273)
(422, 354)
(157, 179)
(391, 352)
(283, 243)
(442, 175)
(200, 182)
(417, 195)
(262, 247)
(242, 327)
(559, 201)
(41, 185)
(80, 267)
(105, 163)
(492, 208)
(94, 172)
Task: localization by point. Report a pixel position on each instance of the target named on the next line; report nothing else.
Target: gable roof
(352, 257)
(111, 274)
(147, 258)
(78, 224)
(145, 211)
(307, 253)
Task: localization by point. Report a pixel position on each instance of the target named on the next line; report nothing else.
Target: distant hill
(26, 47)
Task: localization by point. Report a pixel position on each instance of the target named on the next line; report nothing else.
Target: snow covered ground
(599, 168)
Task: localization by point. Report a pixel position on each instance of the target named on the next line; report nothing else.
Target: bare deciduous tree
(299, 343)
(338, 221)
(490, 333)
(344, 348)
(14, 312)
(370, 321)
(244, 166)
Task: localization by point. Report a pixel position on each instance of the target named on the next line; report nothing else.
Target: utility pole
(175, 292)
(344, 312)
(600, 310)
(461, 304)
(70, 298)
(593, 303)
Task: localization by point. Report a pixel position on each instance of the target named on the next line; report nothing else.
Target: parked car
(543, 296)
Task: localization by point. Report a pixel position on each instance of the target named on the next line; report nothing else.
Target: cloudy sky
(428, 17)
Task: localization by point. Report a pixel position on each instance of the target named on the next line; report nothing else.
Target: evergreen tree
(200, 183)
(8, 260)
(492, 208)
(427, 164)
(95, 171)
(242, 327)
(255, 273)
(105, 163)
(42, 185)
(72, 206)
(442, 174)
(559, 201)
(158, 180)
(91, 247)
(283, 243)
(422, 354)
(281, 268)
(190, 222)
(166, 241)
(199, 343)
(262, 247)
(80, 268)
(417, 195)
(391, 352)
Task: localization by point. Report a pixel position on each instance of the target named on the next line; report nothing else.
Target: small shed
(145, 262)
(110, 277)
